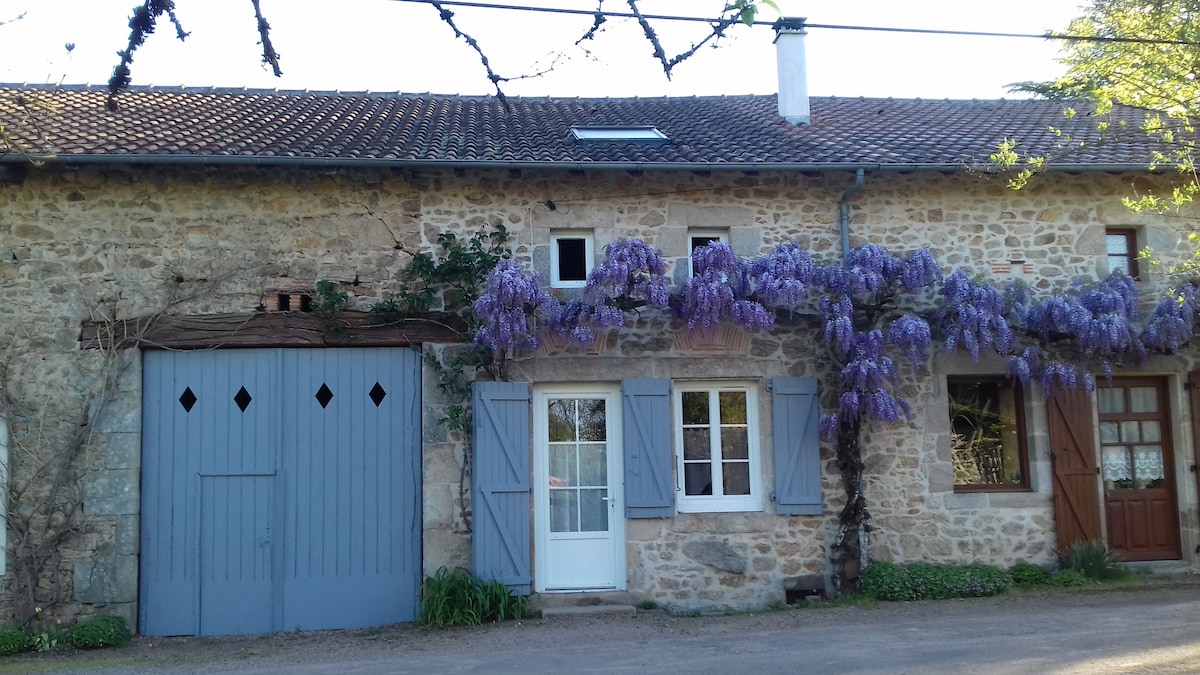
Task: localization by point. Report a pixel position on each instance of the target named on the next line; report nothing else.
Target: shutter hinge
(773, 494)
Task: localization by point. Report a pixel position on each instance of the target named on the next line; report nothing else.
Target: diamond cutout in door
(324, 395)
(377, 394)
(187, 400)
(242, 399)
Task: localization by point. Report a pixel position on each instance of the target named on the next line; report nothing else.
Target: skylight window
(617, 133)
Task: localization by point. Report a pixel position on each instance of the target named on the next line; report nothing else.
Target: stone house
(226, 462)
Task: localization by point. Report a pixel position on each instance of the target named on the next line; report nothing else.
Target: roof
(179, 125)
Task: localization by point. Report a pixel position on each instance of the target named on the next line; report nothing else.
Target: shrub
(886, 581)
(923, 581)
(1028, 574)
(459, 598)
(14, 641)
(1068, 577)
(100, 632)
(1093, 560)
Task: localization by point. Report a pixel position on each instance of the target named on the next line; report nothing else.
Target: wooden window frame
(719, 503)
(1130, 256)
(1026, 484)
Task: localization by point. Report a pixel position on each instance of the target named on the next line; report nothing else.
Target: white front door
(579, 514)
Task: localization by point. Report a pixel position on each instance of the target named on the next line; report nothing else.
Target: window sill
(988, 489)
(720, 506)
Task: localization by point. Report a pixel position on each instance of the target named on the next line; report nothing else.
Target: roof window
(618, 133)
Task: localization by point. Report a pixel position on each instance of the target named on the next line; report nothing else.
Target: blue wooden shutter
(501, 484)
(797, 445)
(649, 455)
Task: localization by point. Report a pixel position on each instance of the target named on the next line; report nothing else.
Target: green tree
(1146, 54)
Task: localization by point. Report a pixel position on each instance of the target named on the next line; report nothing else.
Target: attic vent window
(601, 133)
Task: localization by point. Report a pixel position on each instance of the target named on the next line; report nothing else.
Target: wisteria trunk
(850, 548)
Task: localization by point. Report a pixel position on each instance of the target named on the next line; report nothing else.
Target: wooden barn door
(281, 490)
(1076, 479)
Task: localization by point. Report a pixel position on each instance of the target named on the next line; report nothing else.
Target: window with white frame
(717, 447)
(571, 258)
(700, 239)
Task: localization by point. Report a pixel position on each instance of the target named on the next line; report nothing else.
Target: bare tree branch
(270, 56)
(142, 25)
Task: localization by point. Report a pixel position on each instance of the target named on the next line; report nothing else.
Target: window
(700, 239)
(987, 435)
(618, 133)
(1132, 435)
(717, 447)
(571, 258)
(1121, 246)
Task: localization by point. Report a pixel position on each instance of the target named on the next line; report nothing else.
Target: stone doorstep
(587, 610)
(595, 602)
(1164, 567)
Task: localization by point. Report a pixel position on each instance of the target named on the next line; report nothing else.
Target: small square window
(699, 239)
(717, 447)
(571, 258)
(1122, 250)
(987, 435)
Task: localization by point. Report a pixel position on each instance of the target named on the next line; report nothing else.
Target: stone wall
(85, 243)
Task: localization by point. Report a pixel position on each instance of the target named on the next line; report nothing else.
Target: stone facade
(110, 242)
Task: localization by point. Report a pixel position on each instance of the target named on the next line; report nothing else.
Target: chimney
(793, 77)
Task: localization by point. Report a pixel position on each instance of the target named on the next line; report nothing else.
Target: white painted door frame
(578, 561)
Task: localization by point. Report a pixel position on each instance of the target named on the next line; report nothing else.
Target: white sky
(383, 45)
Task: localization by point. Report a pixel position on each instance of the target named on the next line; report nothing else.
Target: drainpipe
(844, 212)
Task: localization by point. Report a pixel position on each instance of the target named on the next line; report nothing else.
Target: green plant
(102, 631)
(923, 581)
(327, 298)
(14, 641)
(1028, 574)
(459, 598)
(887, 581)
(1068, 578)
(647, 605)
(1095, 561)
(46, 636)
(444, 288)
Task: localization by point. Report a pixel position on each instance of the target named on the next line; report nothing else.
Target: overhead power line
(881, 29)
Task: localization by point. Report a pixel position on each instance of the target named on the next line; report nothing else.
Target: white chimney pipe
(793, 74)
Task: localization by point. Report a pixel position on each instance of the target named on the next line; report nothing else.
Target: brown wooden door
(1073, 454)
(1138, 469)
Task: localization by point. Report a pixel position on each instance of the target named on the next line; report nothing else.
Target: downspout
(844, 212)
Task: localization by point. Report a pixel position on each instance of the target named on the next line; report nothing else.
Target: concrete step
(588, 610)
(544, 600)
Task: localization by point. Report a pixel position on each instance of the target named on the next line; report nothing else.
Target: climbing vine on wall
(877, 311)
(443, 287)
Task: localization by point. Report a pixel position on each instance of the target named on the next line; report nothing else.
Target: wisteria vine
(874, 307)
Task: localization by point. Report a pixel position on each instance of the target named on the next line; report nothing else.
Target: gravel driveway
(1153, 628)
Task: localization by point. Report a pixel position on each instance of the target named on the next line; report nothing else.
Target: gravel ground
(1006, 634)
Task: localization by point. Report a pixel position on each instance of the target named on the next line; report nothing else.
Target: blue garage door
(280, 490)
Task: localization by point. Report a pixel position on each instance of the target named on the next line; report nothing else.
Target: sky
(390, 46)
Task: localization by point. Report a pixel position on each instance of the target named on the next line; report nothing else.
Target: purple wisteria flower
(973, 316)
(782, 278)
(1172, 324)
(720, 289)
(510, 297)
(632, 270)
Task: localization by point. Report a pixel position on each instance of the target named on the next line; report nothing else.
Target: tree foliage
(1122, 66)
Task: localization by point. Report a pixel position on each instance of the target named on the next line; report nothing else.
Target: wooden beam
(270, 329)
